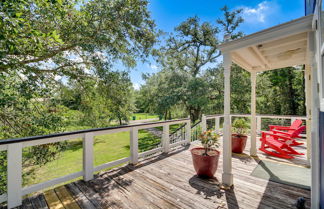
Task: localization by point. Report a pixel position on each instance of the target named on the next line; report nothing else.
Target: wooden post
(308, 103)
(134, 145)
(203, 123)
(188, 131)
(88, 157)
(253, 149)
(217, 125)
(14, 175)
(166, 138)
(227, 176)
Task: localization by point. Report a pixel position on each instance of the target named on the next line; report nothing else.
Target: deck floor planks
(113, 191)
(92, 195)
(160, 191)
(27, 204)
(79, 197)
(38, 201)
(247, 197)
(52, 200)
(179, 181)
(169, 182)
(66, 199)
(148, 200)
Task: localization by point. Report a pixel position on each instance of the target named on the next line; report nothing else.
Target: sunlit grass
(107, 148)
(143, 116)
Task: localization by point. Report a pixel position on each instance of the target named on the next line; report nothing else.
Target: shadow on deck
(169, 181)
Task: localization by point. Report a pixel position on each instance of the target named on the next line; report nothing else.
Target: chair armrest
(286, 128)
(276, 135)
(281, 132)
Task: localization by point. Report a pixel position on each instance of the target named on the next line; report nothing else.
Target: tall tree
(191, 51)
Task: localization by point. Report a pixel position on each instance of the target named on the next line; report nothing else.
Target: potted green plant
(205, 159)
(239, 137)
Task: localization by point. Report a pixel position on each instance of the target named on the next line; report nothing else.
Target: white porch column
(308, 98)
(315, 150)
(227, 176)
(253, 149)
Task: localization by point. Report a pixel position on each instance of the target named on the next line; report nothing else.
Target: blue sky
(257, 14)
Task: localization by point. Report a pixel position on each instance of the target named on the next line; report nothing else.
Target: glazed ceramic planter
(205, 166)
(238, 143)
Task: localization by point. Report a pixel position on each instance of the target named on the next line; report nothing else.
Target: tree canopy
(72, 37)
(187, 59)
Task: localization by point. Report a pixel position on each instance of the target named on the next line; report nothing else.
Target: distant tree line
(191, 80)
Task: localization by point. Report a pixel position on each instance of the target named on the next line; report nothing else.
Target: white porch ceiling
(277, 47)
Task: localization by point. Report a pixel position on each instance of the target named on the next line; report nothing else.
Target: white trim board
(303, 24)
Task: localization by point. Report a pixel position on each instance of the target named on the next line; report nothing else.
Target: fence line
(14, 147)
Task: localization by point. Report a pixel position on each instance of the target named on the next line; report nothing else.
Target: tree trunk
(195, 114)
(166, 115)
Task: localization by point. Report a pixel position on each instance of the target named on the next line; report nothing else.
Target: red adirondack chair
(289, 129)
(272, 145)
(292, 135)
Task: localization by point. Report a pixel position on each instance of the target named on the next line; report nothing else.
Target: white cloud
(154, 67)
(260, 13)
(136, 86)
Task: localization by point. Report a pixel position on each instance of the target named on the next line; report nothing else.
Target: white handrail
(259, 118)
(14, 155)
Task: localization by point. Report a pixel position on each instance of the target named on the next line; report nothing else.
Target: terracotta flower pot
(205, 166)
(238, 143)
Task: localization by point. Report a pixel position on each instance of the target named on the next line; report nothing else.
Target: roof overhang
(276, 47)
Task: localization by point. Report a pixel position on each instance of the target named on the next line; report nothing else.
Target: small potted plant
(205, 159)
(239, 136)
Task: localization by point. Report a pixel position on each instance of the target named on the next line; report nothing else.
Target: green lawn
(172, 128)
(143, 116)
(107, 148)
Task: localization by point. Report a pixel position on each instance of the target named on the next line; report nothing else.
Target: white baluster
(14, 176)
(203, 123)
(259, 121)
(188, 131)
(88, 156)
(166, 138)
(134, 145)
(217, 125)
(292, 120)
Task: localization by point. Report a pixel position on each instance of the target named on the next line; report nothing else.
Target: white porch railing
(14, 148)
(262, 124)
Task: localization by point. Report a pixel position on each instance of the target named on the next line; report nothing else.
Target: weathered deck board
(66, 198)
(52, 200)
(80, 198)
(38, 201)
(169, 181)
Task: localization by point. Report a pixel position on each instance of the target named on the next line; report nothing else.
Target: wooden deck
(169, 181)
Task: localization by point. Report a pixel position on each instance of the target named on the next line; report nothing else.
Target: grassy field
(143, 116)
(172, 128)
(107, 148)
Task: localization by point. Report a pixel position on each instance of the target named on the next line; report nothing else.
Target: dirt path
(155, 131)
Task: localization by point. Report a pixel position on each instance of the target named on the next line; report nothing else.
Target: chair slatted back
(295, 125)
